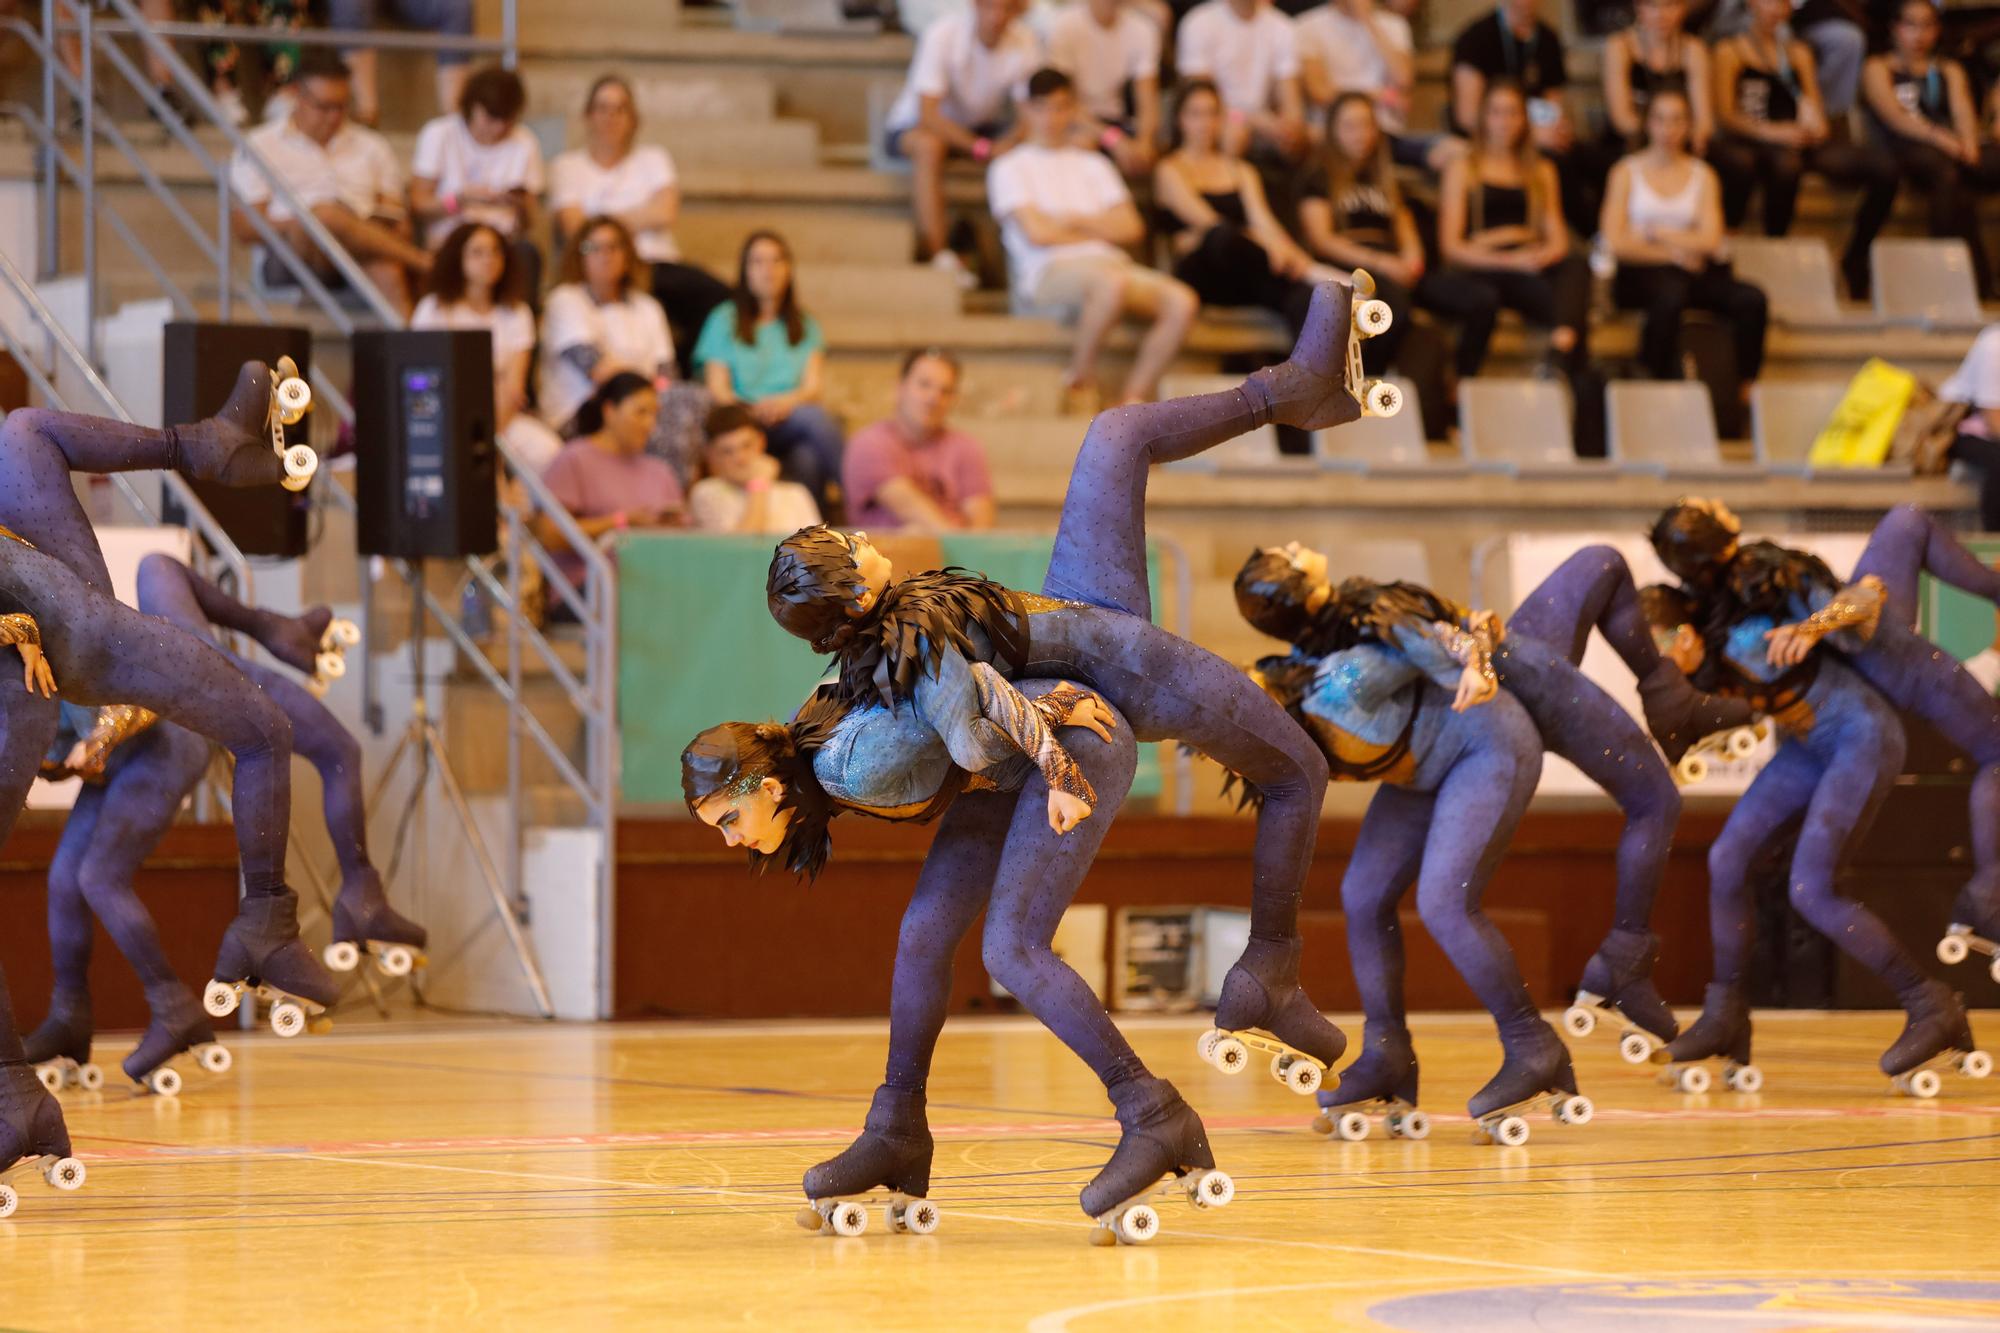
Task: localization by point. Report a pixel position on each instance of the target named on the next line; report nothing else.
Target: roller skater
(60, 1048)
(1161, 1139)
(1722, 1031)
(1935, 1037)
(1536, 1074)
(1382, 1082)
(1092, 624)
(893, 1153)
(32, 1132)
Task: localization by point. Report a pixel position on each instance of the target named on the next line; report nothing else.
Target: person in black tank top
(1774, 129)
(1652, 55)
(1227, 244)
(1921, 108)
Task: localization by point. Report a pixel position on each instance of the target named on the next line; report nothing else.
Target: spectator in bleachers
(1352, 214)
(1775, 127)
(1922, 108)
(605, 477)
(1513, 45)
(1663, 223)
(758, 348)
(1358, 46)
(958, 101)
(1111, 51)
(612, 175)
(480, 164)
(1653, 55)
(445, 18)
(600, 321)
(1250, 51)
(1066, 218)
(345, 174)
(739, 490)
(1976, 384)
(1831, 30)
(476, 284)
(912, 472)
(1227, 244)
(1501, 231)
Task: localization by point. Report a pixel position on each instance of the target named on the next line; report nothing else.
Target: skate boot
(1975, 928)
(32, 1133)
(262, 954)
(893, 1152)
(60, 1048)
(1320, 386)
(363, 922)
(178, 1025)
(1936, 1037)
(1163, 1141)
(1383, 1081)
(313, 643)
(1619, 979)
(244, 443)
(1679, 715)
(1263, 1008)
(1722, 1030)
(1535, 1073)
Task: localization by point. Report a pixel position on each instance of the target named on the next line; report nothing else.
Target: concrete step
(915, 291)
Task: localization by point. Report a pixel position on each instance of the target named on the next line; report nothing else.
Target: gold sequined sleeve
(19, 627)
(1469, 648)
(1025, 725)
(115, 725)
(1858, 607)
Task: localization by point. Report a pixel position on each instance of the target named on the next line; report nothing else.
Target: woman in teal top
(758, 348)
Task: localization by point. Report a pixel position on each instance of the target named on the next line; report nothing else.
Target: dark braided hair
(1272, 594)
(1694, 539)
(734, 757)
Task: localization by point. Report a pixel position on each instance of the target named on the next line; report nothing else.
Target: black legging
(687, 293)
(1558, 297)
(1228, 268)
(1979, 452)
(1666, 292)
(1745, 164)
(1950, 191)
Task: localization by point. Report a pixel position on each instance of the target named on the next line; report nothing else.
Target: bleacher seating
(1796, 273)
(1666, 428)
(1516, 425)
(1382, 445)
(1926, 282)
(1786, 416)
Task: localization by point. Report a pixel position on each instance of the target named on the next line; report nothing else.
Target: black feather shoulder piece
(918, 617)
(1765, 578)
(1365, 611)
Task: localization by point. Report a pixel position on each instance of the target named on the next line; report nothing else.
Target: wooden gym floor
(514, 1176)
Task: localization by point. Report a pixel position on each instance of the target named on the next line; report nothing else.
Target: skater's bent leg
(71, 928)
(1387, 853)
(1909, 541)
(38, 501)
(321, 740)
(170, 589)
(1591, 589)
(141, 798)
(1776, 796)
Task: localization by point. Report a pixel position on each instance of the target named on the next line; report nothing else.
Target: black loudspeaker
(201, 363)
(423, 437)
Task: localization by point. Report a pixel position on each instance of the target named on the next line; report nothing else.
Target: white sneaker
(947, 261)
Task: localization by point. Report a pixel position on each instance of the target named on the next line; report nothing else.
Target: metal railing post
(88, 73)
(225, 264)
(510, 34)
(48, 246)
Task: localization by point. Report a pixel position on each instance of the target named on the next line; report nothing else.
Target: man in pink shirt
(912, 473)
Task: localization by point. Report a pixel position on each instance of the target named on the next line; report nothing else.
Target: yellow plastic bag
(1864, 424)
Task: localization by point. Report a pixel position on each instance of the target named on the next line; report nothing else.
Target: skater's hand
(1091, 711)
(35, 673)
(1066, 811)
(1790, 644)
(1475, 686)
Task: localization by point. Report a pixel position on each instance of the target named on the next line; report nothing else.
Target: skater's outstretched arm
(983, 720)
(1850, 613)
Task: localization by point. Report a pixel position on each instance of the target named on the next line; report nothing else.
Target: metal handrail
(246, 35)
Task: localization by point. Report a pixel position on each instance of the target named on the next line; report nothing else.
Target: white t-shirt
(632, 332)
(1350, 51)
(976, 84)
(356, 168)
(447, 153)
(1246, 60)
(1984, 667)
(577, 181)
(512, 326)
(715, 505)
(1976, 382)
(1062, 182)
(1101, 60)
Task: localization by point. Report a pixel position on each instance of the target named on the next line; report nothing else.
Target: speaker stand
(423, 744)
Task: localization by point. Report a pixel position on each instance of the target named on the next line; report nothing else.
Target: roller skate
(262, 955)
(1163, 1150)
(1315, 389)
(60, 1048)
(1378, 398)
(1972, 931)
(1382, 1082)
(893, 1152)
(1723, 1029)
(314, 643)
(1535, 1074)
(1692, 768)
(244, 443)
(1619, 979)
(32, 1133)
(1262, 1008)
(1685, 720)
(1935, 1038)
(178, 1025)
(363, 922)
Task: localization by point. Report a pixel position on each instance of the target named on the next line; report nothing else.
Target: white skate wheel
(330, 665)
(1976, 1064)
(51, 1078)
(1511, 1132)
(397, 961)
(1372, 318)
(1923, 1083)
(295, 399)
(919, 1217)
(300, 464)
(287, 1019)
(1383, 399)
(164, 1082)
(343, 632)
(215, 1058)
(1211, 1189)
(342, 956)
(1743, 1078)
(220, 999)
(1693, 770)
(849, 1219)
(1692, 1079)
(1204, 1045)
(1351, 1126)
(1952, 949)
(1742, 743)
(1411, 1125)
(1579, 1021)
(9, 1200)
(89, 1077)
(1635, 1047)
(1231, 1056)
(1582, 1110)
(65, 1173)
(1303, 1077)
(1137, 1224)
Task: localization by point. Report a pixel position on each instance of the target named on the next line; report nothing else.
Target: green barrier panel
(697, 647)
(1958, 622)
